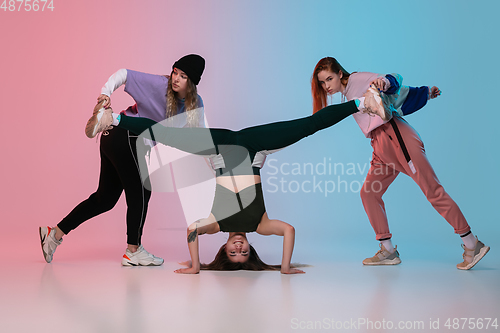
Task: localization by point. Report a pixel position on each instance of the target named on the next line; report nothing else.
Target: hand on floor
(292, 271)
(189, 270)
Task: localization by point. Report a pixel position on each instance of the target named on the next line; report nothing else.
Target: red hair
(318, 93)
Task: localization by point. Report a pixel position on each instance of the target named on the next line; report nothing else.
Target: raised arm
(276, 227)
(200, 227)
(114, 82)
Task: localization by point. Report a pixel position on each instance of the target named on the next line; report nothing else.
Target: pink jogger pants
(387, 162)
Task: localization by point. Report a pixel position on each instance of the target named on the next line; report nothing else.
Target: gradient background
(259, 59)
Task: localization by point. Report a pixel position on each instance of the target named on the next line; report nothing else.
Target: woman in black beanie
(157, 97)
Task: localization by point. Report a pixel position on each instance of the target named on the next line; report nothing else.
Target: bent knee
(371, 190)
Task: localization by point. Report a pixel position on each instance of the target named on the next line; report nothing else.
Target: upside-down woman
(238, 206)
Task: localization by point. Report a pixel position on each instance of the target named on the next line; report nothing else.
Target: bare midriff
(238, 183)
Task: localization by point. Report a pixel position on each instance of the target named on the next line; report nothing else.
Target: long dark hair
(318, 93)
(221, 262)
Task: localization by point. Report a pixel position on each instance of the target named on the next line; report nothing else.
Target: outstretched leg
(282, 134)
(263, 137)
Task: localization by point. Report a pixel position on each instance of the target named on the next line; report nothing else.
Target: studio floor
(88, 291)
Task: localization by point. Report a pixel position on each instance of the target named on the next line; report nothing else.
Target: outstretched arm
(200, 227)
(417, 98)
(276, 227)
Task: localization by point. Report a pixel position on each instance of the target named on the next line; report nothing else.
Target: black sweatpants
(119, 172)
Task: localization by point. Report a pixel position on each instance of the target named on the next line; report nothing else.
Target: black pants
(119, 172)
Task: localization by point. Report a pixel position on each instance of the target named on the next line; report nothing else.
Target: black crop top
(238, 212)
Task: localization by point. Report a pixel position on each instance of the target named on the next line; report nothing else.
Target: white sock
(116, 119)
(361, 105)
(388, 245)
(469, 241)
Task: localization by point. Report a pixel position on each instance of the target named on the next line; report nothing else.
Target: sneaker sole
(131, 264)
(395, 261)
(42, 239)
(480, 256)
(127, 262)
(98, 107)
(90, 130)
(91, 127)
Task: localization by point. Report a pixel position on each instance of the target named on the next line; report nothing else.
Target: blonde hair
(190, 102)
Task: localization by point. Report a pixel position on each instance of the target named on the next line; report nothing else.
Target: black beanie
(193, 65)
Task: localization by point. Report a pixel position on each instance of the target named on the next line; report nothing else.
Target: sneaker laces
(466, 255)
(380, 251)
(104, 132)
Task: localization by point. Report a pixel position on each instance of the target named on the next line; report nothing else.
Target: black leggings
(119, 172)
(242, 211)
(205, 141)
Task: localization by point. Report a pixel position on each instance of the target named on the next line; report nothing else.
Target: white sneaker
(141, 257)
(374, 105)
(99, 122)
(49, 242)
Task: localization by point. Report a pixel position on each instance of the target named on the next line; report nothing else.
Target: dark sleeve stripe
(394, 85)
(416, 99)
